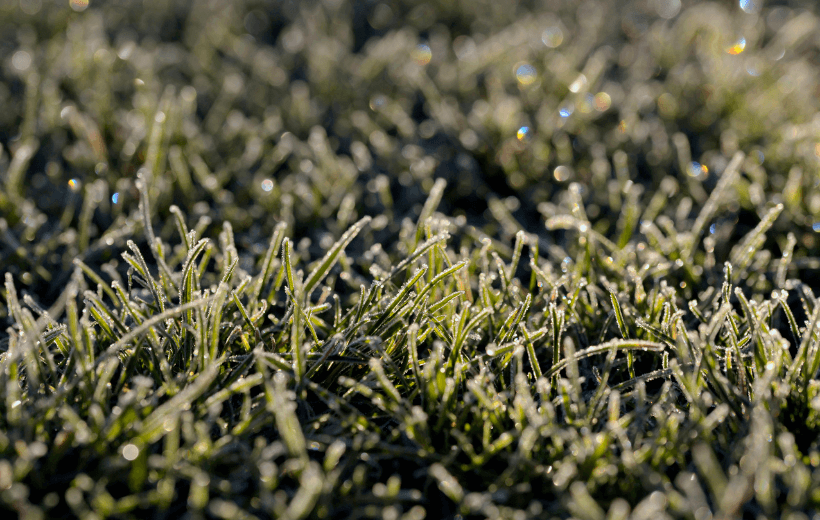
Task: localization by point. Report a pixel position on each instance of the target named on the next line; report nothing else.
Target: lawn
(395, 259)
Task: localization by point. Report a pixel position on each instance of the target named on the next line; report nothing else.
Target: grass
(331, 260)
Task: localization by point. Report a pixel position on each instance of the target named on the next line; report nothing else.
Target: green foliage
(332, 260)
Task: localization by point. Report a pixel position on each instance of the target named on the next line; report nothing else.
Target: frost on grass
(408, 260)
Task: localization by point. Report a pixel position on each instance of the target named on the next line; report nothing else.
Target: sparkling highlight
(737, 47)
(552, 37)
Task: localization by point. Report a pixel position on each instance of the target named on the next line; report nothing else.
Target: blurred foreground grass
(405, 260)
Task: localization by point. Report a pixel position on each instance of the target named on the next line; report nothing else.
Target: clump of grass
(272, 262)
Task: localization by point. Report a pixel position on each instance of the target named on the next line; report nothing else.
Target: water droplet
(552, 37)
(115, 198)
(422, 54)
(816, 227)
(737, 47)
(74, 185)
(523, 134)
(526, 74)
(712, 229)
(267, 185)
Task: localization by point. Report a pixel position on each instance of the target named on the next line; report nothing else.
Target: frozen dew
(737, 47)
(667, 8)
(422, 54)
(74, 185)
(602, 101)
(115, 198)
(523, 134)
(130, 452)
(525, 74)
(579, 83)
(562, 173)
(21, 60)
(78, 5)
(552, 36)
(697, 170)
(267, 185)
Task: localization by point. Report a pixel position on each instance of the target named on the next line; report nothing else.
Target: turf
(348, 259)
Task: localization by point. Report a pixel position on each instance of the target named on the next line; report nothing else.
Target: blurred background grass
(316, 113)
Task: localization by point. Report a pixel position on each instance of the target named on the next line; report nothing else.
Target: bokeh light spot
(552, 37)
(525, 74)
(602, 101)
(562, 173)
(130, 452)
(78, 5)
(267, 185)
(737, 47)
(422, 54)
(667, 8)
(523, 134)
(21, 60)
(579, 83)
(749, 6)
(115, 198)
(74, 185)
(697, 170)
